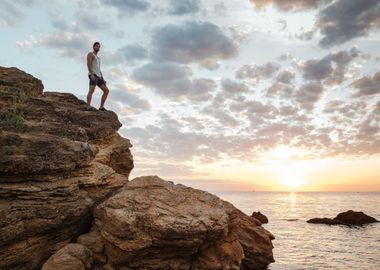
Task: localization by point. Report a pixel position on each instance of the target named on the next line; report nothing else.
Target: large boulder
(50, 173)
(154, 224)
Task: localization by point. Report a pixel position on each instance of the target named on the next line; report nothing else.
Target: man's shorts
(98, 81)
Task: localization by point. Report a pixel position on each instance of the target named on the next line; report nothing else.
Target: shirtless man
(96, 78)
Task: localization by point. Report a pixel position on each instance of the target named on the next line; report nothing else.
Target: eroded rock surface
(50, 173)
(154, 224)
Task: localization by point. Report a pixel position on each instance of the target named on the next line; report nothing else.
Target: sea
(300, 245)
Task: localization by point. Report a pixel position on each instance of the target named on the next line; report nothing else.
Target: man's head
(96, 46)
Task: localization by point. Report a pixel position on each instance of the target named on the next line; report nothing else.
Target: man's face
(97, 47)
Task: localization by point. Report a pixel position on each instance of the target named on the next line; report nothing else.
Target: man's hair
(95, 43)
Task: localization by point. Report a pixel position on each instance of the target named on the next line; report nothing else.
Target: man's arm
(90, 58)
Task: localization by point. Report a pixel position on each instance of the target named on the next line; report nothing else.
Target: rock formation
(346, 218)
(64, 179)
(57, 162)
(260, 216)
(153, 224)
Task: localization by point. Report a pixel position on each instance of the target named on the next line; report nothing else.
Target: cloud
(174, 81)
(69, 44)
(184, 7)
(367, 85)
(192, 42)
(280, 89)
(128, 99)
(285, 76)
(308, 94)
(233, 87)
(256, 72)
(12, 11)
(330, 69)
(337, 20)
(289, 5)
(344, 20)
(128, 7)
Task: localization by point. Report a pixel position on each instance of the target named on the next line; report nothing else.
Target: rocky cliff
(64, 190)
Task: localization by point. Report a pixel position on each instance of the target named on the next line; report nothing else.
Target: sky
(237, 95)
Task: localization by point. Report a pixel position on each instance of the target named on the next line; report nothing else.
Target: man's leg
(105, 94)
(91, 91)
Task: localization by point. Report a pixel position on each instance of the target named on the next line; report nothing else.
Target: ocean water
(299, 245)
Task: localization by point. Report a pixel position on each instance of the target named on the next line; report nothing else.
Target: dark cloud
(289, 5)
(132, 52)
(337, 20)
(331, 69)
(192, 42)
(285, 76)
(133, 101)
(174, 81)
(280, 90)
(367, 85)
(128, 7)
(308, 94)
(344, 20)
(257, 73)
(184, 7)
(317, 69)
(234, 87)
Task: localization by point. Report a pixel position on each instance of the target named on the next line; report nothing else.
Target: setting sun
(292, 176)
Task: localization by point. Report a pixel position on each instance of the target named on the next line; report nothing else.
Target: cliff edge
(66, 201)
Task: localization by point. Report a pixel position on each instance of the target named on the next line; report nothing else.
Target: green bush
(9, 149)
(14, 120)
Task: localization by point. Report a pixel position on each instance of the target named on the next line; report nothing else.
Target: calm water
(299, 245)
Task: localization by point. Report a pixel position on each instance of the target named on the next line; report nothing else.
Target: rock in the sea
(328, 221)
(355, 218)
(154, 224)
(70, 257)
(260, 216)
(57, 162)
(349, 217)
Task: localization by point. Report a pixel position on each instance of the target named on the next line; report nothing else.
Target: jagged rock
(50, 178)
(70, 257)
(261, 217)
(346, 218)
(153, 224)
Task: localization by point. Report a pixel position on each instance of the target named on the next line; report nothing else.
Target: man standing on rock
(96, 78)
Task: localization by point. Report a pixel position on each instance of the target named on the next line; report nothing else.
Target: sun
(291, 181)
(292, 176)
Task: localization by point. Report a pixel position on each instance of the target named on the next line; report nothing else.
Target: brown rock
(71, 257)
(153, 224)
(50, 178)
(328, 221)
(355, 218)
(346, 218)
(261, 217)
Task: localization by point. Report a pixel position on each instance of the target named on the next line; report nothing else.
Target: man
(96, 78)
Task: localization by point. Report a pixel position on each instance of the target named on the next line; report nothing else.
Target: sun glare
(292, 176)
